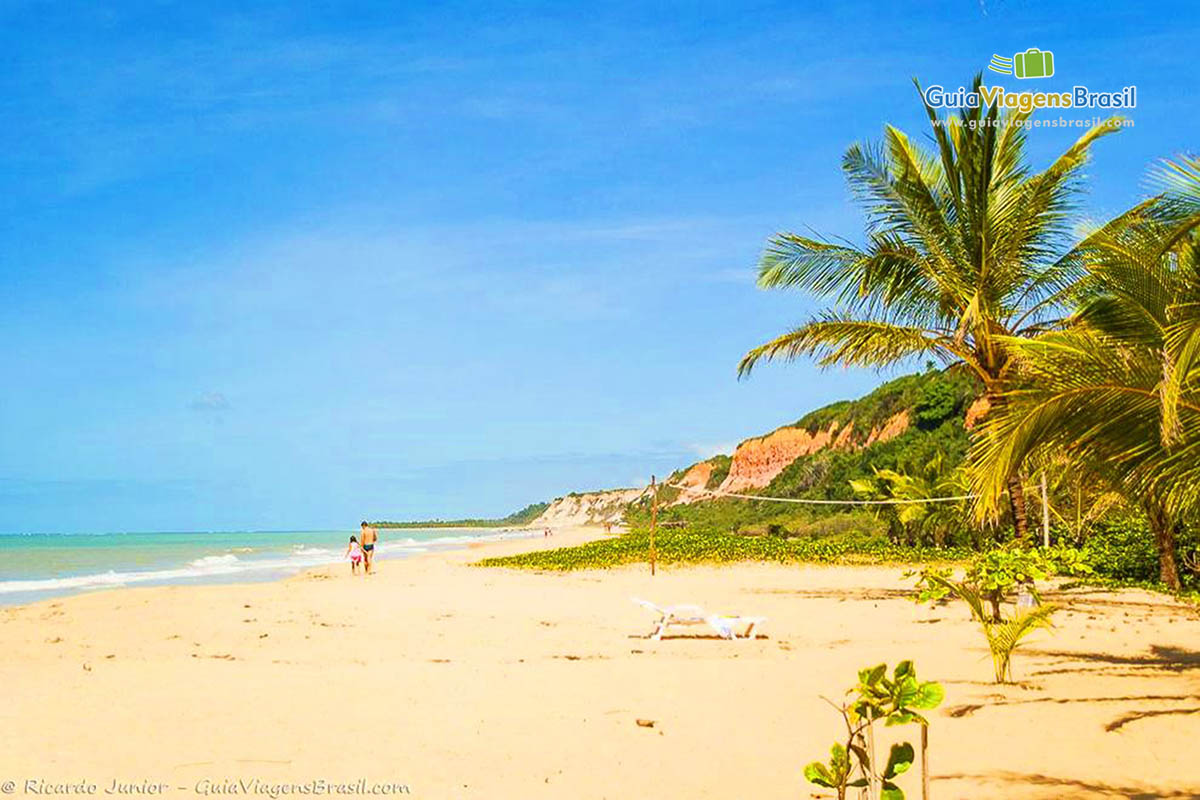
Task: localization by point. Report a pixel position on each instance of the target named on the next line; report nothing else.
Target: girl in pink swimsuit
(355, 554)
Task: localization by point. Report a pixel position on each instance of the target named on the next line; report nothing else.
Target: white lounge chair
(673, 615)
(725, 625)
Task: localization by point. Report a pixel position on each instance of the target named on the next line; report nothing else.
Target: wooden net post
(653, 520)
(924, 762)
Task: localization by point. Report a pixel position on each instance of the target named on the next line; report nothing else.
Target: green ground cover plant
(876, 697)
(708, 547)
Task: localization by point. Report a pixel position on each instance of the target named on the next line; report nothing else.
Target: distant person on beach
(355, 554)
(369, 539)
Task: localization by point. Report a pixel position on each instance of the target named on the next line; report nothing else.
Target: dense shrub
(1122, 549)
(937, 402)
(854, 526)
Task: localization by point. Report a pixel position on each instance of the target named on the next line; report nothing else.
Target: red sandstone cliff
(756, 462)
(695, 479)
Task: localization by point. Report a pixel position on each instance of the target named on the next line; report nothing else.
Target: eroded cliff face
(591, 508)
(695, 479)
(896, 425)
(757, 462)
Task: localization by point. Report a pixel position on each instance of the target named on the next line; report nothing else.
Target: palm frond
(837, 339)
(798, 262)
(1004, 637)
(961, 243)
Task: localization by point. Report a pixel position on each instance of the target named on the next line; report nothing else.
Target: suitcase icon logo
(1033, 63)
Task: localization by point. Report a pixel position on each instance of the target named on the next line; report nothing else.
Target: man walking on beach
(369, 538)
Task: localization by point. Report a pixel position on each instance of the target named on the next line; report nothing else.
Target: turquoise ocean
(37, 566)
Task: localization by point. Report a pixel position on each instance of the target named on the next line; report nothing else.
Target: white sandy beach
(464, 682)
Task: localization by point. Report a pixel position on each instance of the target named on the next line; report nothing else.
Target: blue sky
(274, 266)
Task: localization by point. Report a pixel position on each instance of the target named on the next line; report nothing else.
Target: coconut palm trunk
(996, 403)
(1163, 528)
(1016, 501)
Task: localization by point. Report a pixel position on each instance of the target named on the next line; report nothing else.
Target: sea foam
(228, 565)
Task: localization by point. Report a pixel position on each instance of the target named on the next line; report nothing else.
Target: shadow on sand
(841, 594)
(1160, 659)
(1069, 788)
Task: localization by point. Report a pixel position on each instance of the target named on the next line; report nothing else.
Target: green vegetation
(915, 521)
(938, 397)
(831, 474)
(1122, 550)
(731, 515)
(826, 474)
(935, 396)
(897, 700)
(699, 547)
(936, 400)
(1002, 635)
(523, 517)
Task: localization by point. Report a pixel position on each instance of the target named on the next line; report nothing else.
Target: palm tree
(1119, 388)
(963, 249)
(920, 523)
(1078, 496)
(1003, 635)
